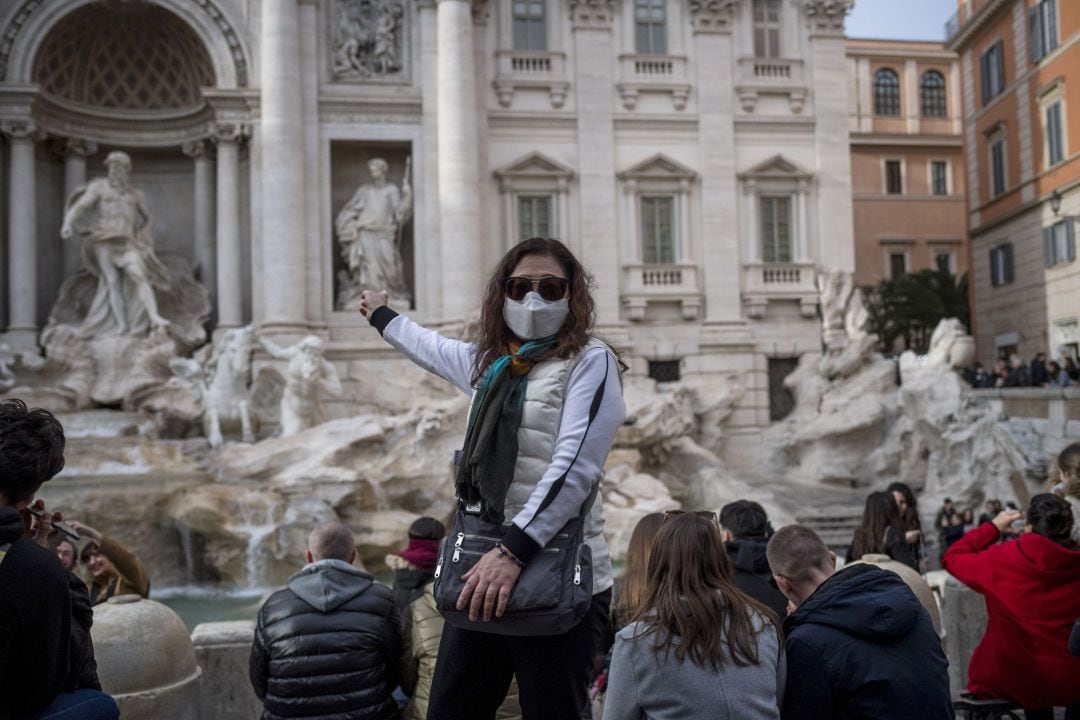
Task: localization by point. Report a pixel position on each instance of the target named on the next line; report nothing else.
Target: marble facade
(250, 124)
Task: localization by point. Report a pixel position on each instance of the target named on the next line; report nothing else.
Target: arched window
(932, 90)
(886, 93)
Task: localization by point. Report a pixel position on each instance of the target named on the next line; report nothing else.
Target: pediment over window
(777, 168)
(658, 167)
(535, 165)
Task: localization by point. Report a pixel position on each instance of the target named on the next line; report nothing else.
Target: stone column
(22, 236)
(229, 257)
(74, 153)
(283, 204)
(834, 232)
(716, 149)
(592, 22)
(203, 212)
(428, 244)
(459, 167)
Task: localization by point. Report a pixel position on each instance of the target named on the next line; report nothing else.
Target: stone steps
(834, 526)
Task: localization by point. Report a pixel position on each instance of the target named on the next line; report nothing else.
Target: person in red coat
(1032, 589)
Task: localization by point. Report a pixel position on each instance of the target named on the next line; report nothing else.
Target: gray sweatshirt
(644, 686)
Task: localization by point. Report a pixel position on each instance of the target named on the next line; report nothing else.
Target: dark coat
(753, 576)
(1074, 640)
(328, 645)
(35, 621)
(862, 646)
(1032, 589)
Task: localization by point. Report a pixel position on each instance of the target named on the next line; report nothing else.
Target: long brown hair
(495, 336)
(880, 515)
(636, 575)
(691, 595)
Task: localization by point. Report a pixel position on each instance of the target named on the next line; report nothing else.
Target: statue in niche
(113, 223)
(369, 230)
(308, 378)
(368, 38)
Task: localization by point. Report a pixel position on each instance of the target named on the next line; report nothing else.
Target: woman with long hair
(881, 532)
(699, 647)
(1068, 465)
(909, 517)
(547, 403)
(630, 586)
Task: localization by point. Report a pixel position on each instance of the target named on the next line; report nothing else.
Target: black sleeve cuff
(517, 542)
(381, 318)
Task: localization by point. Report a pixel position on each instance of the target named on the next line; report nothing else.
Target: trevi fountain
(198, 190)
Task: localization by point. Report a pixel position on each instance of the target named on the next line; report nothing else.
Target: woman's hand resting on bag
(488, 585)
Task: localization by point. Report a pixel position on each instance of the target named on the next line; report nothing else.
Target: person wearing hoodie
(329, 644)
(47, 666)
(746, 528)
(1032, 589)
(859, 644)
(414, 567)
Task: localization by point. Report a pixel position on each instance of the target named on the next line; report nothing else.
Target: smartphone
(60, 527)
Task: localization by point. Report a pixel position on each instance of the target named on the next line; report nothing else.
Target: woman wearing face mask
(535, 354)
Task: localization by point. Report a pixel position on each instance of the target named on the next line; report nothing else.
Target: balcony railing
(770, 76)
(518, 69)
(653, 73)
(765, 282)
(643, 284)
(963, 14)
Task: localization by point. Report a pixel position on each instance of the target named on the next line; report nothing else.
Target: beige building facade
(1020, 68)
(907, 167)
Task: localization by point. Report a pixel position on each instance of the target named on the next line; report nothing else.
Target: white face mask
(534, 317)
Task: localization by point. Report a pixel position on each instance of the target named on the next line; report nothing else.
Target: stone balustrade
(644, 284)
(653, 73)
(769, 282)
(1059, 408)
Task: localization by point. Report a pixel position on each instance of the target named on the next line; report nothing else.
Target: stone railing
(643, 284)
(1058, 407)
(771, 76)
(653, 73)
(765, 282)
(520, 69)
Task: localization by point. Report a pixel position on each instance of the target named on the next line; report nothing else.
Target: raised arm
(452, 360)
(969, 559)
(276, 350)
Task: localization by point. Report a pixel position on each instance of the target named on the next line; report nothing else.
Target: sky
(900, 19)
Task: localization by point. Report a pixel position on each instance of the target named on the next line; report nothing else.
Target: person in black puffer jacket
(330, 643)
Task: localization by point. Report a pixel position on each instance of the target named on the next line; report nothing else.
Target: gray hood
(328, 584)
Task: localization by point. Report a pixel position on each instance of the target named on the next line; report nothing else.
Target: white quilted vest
(540, 420)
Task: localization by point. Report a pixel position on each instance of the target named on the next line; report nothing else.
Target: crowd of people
(512, 609)
(1013, 372)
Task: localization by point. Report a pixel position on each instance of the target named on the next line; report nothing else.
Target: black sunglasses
(549, 287)
(708, 514)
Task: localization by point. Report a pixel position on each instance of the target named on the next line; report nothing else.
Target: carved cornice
(826, 17)
(592, 14)
(197, 148)
(229, 132)
(712, 16)
(21, 130)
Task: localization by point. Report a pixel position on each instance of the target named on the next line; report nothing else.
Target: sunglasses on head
(548, 287)
(707, 514)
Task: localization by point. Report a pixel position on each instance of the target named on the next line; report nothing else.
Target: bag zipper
(577, 566)
(457, 547)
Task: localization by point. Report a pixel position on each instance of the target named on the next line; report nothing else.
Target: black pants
(474, 670)
(1071, 713)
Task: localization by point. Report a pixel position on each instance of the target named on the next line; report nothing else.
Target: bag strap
(3, 551)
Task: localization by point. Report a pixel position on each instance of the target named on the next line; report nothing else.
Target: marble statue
(110, 218)
(368, 38)
(7, 375)
(369, 230)
(834, 289)
(308, 378)
(221, 376)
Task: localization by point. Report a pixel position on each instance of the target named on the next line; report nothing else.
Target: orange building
(1020, 67)
(907, 167)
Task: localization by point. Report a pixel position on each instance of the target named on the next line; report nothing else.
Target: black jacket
(328, 645)
(409, 585)
(44, 624)
(1074, 640)
(753, 576)
(863, 647)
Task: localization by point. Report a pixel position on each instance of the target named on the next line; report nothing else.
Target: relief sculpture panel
(368, 40)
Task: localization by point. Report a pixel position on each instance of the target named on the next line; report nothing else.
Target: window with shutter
(1035, 23)
(650, 23)
(886, 92)
(1055, 146)
(1008, 251)
(894, 177)
(530, 25)
(658, 235)
(932, 89)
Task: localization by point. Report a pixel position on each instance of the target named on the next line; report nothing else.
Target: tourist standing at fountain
(68, 555)
(699, 649)
(46, 659)
(414, 567)
(909, 519)
(745, 527)
(114, 569)
(329, 644)
(859, 644)
(1068, 463)
(1032, 589)
(548, 401)
(881, 532)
